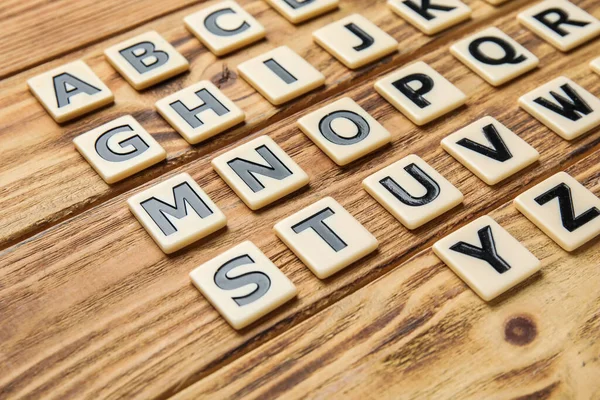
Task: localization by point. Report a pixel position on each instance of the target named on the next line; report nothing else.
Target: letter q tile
(344, 131)
(412, 191)
(119, 149)
(224, 27)
(260, 172)
(297, 11)
(176, 213)
(146, 60)
(70, 91)
(326, 237)
(431, 17)
(486, 257)
(243, 284)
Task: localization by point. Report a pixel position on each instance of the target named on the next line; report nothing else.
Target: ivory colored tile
(486, 257)
(260, 172)
(431, 17)
(281, 75)
(119, 149)
(146, 60)
(355, 41)
(412, 191)
(176, 213)
(420, 93)
(326, 237)
(490, 150)
(563, 106)
(297, 11)
(70, 91)
(563, 209)
(595, 64)
(243, 284)
(561, 23)
(224, 27)
(344, 131)
(494, 56)
(200, 111)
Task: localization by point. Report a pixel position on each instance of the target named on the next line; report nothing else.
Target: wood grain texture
(36, 149)
(93, 309)
(420, 332)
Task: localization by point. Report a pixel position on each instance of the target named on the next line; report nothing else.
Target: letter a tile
(486, 257)
(70, 91)
(243, 284)
(344, 131)
(561, 23)
(119, 149)
(326, 237)
(224, 27)
(431, 16)
(494, 56)
(355, 41)
(281, 75)
(420, 93)
(563, 106)
(297, 11)
(176, 213)
(146, 60)
(412, 191)
(200, 111)
(563, 209)
(260, 172)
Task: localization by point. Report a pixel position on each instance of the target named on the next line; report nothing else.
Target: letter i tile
(243, 284)
(563, 209)
(486, 257)
(412, 191)
(326, 237)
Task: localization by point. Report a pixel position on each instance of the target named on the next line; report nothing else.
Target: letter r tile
(260, 172)
(412, 191)
(326, 237)
(243, 284)
(563, 209)
(486, 257)
(176, 213)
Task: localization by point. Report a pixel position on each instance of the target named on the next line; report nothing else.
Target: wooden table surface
(91, 308)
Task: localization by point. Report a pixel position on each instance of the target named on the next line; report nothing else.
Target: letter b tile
(412, 191)
(176, 213)
(486, 257)
(564, 209)
(243, 284)
(326, 237)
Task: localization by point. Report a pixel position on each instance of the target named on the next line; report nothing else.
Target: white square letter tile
(412, 191)
(561, 23)
(243, 284)
(344, 131)
(146, 60)
(490, 150)
(563, 106)
(494, 56)
(420, 93)
(119, 149)
(224, 27)
(200, 111)
(281, 75)
(595, 64)
(563, 209)
(297, 11)
(431, 16)
(176, 213)
(70, 91)
(486, 257)
(355, 41)
(326, 237)
(260, 172)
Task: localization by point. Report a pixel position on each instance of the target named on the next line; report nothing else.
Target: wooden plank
(94, 309)
(36, 149)
(420, 332)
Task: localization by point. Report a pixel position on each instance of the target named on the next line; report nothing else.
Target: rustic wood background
(91, 308)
